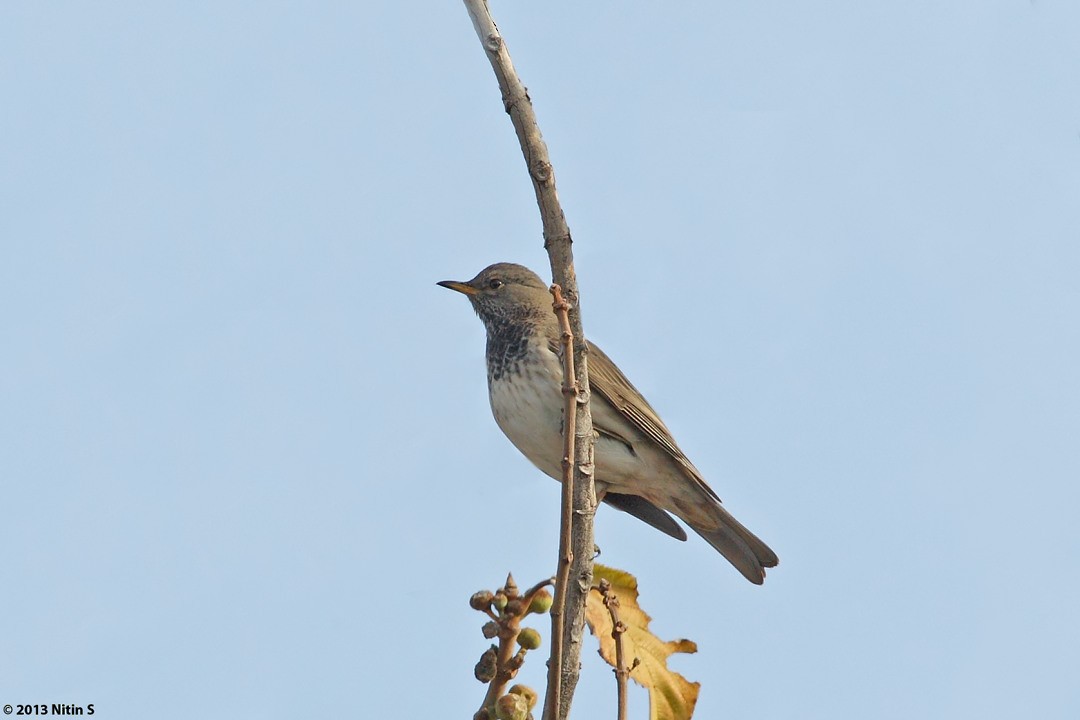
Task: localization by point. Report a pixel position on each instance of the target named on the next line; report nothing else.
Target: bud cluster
(505, 608)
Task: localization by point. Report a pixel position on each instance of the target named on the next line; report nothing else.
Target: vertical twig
(618, 627)
(557, 242)
(566, 556)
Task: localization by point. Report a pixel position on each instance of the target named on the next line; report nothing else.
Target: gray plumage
(639, 467)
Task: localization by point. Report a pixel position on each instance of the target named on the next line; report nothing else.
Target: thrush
(639, 467)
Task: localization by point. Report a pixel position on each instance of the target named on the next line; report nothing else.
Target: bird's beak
(461, 287)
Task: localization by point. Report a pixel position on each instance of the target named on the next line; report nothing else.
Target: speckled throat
(507, 345)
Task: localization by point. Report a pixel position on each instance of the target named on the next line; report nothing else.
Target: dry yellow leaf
(671, 696)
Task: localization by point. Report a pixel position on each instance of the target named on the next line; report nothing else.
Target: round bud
(487, 665)
(541, 602)
(514, 607)
(490, 629)
(526, 692)
(481, 600)
(528, 639)
(511, 707)
(499, 601)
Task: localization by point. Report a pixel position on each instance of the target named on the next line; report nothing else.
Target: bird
(639, 468)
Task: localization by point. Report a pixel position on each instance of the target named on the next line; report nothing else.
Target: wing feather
(606, 380)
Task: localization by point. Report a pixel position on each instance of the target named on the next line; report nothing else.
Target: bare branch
(618, 627)
(566, 555)
(557, 242)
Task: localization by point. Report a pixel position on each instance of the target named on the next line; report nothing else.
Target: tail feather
(644, 510)
(742, 548)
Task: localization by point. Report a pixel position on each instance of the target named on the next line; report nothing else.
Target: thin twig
(618, 627)
(528, 594)
(566, 556)
(557, 242)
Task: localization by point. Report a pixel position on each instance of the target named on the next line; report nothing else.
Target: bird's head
(506, 293)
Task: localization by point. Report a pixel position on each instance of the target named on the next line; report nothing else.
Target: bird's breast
(526, 400)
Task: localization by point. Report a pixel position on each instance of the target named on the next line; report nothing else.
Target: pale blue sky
(247, 467)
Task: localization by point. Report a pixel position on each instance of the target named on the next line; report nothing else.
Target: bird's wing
(609, 383)
(613, 391)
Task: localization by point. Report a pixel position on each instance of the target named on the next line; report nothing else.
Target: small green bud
(512, 707)
(481, 600)
(528, 639)
(499, 601)
(490, 629)
(541, 602)
(487, 665)
(526, 692)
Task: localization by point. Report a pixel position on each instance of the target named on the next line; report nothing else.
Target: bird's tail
(742, 548)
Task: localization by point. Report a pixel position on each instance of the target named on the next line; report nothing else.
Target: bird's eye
(495, 283)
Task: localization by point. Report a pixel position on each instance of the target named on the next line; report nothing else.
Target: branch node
(551, 241)
(542, 172)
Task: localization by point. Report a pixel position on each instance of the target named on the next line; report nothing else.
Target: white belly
(528, 408)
